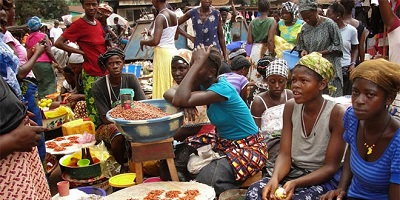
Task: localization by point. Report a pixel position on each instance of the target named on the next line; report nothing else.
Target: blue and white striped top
(371, 180)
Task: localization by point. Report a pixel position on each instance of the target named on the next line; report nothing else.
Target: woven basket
(220, 2)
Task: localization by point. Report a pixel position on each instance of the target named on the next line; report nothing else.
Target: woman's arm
(21, 139)
(60, 43)
(250, 35)
(333, 155)
(344, 183)
(48, 50)
(353, 56)
(159, 25)
(221, 39)
(184, 97)
(361, 45)
(257, 108)
(388, 17)
(27, 67)
(271, 35)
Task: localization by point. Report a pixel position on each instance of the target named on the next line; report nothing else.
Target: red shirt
(91, 41)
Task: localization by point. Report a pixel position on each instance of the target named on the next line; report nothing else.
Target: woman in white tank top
(163, 41)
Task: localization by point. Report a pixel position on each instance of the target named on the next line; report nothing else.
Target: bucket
(133, 69)
(291, 58)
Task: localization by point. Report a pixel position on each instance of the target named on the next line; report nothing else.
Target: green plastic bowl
(80, 173)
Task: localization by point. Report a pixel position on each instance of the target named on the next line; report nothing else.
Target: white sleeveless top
(168, 35)
(272, 119)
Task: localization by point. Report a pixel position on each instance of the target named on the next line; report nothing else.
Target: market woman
(290, 25)
(237, 134)
(106, 94)
(371, 168)
(311, 146)
(164, 31)
(321, 34)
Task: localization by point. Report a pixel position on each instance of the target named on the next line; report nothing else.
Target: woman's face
(3, 21)
(114, 66)
(276, 84)
(367, 98)
(206, 3)
(305, 84)
(333, 16)
(179, 69)
(310, 17)
(286, 16)
(90, 7)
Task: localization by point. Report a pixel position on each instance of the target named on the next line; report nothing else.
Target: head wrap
(105, 9)
(239, 62)
(183, 54)
(34, 23)
(277, 67)
(291, 7)
(114, 51)
(319, 64)
(235, 52)
(222, 9)
(262, 65)
(305, 5)
(381, 72)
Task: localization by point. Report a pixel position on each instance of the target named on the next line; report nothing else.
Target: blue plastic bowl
(92, 190)
(291, 58)
(153, 129)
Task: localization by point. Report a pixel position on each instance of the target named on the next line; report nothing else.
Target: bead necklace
(371, 147)
(316, 120)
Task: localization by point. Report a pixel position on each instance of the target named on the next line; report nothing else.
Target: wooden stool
(159, 150)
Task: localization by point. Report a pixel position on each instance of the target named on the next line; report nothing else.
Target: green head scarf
(319, 64)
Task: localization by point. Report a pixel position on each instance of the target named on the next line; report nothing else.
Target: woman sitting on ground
(267, 107)
(371, 167)
(312, 145)
(237, 135)
(106, 95)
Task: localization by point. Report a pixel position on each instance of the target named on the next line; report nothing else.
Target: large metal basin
(153, 129)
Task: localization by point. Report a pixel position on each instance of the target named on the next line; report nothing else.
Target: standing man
(61, 56)
(89, 34)
(55, 32)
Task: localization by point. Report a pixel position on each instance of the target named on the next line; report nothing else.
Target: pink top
(32, 40)
(20, 50)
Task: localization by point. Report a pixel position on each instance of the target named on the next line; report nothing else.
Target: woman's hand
(141, 45)
(289, 189)
(268, 191)
(303, 53)
(338, 194)
(201, 53)
(190, 114)
(25, 136)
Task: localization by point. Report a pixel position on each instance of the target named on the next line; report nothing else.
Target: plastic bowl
(152, 180)
(92, 190)
(54, 123)
(80, 173)
(153, 129)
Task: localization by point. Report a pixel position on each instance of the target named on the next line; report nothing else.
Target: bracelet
(353, 63)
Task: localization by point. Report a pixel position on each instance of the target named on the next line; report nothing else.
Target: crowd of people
(255, 112)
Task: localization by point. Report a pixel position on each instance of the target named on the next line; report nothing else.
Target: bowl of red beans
(147, 120)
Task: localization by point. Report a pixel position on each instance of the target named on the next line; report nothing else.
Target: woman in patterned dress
(321, 34)
(207, 25)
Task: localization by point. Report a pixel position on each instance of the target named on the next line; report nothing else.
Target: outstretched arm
(388, 16)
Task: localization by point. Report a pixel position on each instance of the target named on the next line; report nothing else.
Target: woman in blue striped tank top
(371, 168)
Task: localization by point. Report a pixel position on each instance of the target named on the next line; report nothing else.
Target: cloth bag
(204, 157)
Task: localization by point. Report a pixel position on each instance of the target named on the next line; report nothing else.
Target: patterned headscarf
(110, 52)
(319, 64)
(277, 67)
(305, 5)
(291, 7)
(262, 65)
(381, 72)
(105, 9)
(34, 23)
(235, 52)
(183, 54)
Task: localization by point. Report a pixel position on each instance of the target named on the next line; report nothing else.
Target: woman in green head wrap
(321, 34)
(373, 135)
(312, 145)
